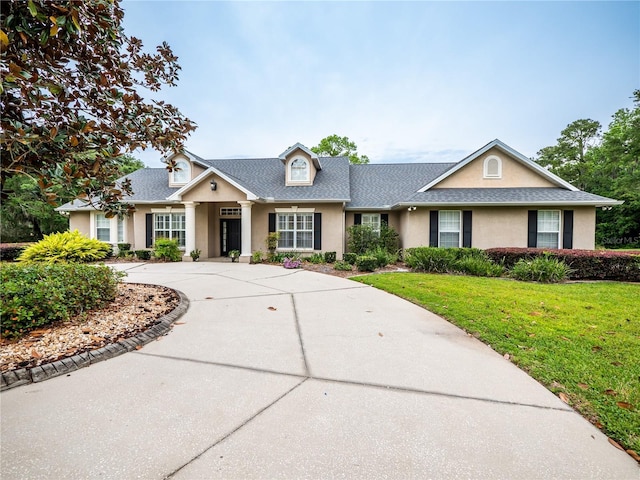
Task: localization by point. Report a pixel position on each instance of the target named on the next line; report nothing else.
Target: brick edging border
(24, 376)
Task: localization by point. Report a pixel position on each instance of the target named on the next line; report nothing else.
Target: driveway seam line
(299, 332)
(220, 364)
(227, 435)
(360, 384)
(439, 394)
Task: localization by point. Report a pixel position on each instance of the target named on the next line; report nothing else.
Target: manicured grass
(578, 339)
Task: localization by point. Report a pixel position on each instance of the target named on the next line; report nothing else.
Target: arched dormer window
(493, 167)
(299, 170)
(182, 173)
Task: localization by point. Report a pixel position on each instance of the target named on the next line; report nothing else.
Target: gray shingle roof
(265, 177)
(505, 196)
(148, 185)
(382, 185)
(371, 186)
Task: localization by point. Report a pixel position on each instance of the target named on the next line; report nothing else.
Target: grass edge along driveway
(580, 340)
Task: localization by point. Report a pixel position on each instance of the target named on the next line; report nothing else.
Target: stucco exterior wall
(225, 192)
(584, 228)
(514, 174)
(80, 221)
(414, 229)
(504, 227)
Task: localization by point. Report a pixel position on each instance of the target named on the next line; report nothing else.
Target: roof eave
(545, 203)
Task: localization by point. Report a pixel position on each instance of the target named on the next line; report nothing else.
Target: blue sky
(407, 81)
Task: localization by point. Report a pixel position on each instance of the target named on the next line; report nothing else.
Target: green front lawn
(581, 340)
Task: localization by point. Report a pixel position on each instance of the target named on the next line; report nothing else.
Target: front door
(229, 235)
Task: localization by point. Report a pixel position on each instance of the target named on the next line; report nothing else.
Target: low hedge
(34, 295)
(9, 252)
(585, 264)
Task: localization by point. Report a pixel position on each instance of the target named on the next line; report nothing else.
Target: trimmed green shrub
(585, 264)
(276, 257)
(66, 247)
(431, 259)
(33, 295)
(124, 247)
(330, 257)
(316, 258)
(451, 260)
(350, 257)
(545, 269)
(9, 252)
(143, 254)
(343, 266)
(256, 257)
(361, 238)
(366, 263)
(480, 267)
(167, 250)
(382, 257)
(389, 239)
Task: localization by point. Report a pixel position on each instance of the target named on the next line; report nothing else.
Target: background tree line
(605, 163)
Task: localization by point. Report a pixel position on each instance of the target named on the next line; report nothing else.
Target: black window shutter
(384, 218)
(466, 228)
(272, 222)
(433, 228)
(357, 219)
(149, 230)
(567, 230)
(317, 231)
(532, 239)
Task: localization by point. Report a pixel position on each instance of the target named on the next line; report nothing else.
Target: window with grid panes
(170, 225)
(548, 229)
(296, 231)
(449, 228)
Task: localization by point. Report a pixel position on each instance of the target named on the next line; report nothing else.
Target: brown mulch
(136, 308)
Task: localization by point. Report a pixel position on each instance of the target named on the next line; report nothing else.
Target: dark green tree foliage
(70, 102)
(606, 164)
(25, 213)
(335, 146)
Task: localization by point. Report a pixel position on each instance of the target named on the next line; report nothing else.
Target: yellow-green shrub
(66, 247)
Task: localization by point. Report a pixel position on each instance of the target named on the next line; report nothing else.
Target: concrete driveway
(278, 373)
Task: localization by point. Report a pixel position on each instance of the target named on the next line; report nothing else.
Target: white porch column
(245, 234)
(190, 224)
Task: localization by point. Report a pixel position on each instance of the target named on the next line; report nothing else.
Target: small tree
(335, 146)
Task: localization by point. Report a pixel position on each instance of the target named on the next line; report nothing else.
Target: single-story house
(495, 197)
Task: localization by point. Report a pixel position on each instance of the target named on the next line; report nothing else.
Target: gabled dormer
(301, 165)
(186, 168)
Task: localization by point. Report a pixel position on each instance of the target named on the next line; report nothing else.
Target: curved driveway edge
(276, 373)
(25, 376)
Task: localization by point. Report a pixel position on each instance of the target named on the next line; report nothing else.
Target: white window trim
(459, 231)
(172, 180)
(295, 211)
(113, 228)
(290, 179)
(168, 211)
(230, 212)
(371, 215)
(558, 232)
(485, 167)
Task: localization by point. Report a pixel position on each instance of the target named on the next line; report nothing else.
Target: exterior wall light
(214, 186)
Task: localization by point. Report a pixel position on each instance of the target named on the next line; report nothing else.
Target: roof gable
(513, 154)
